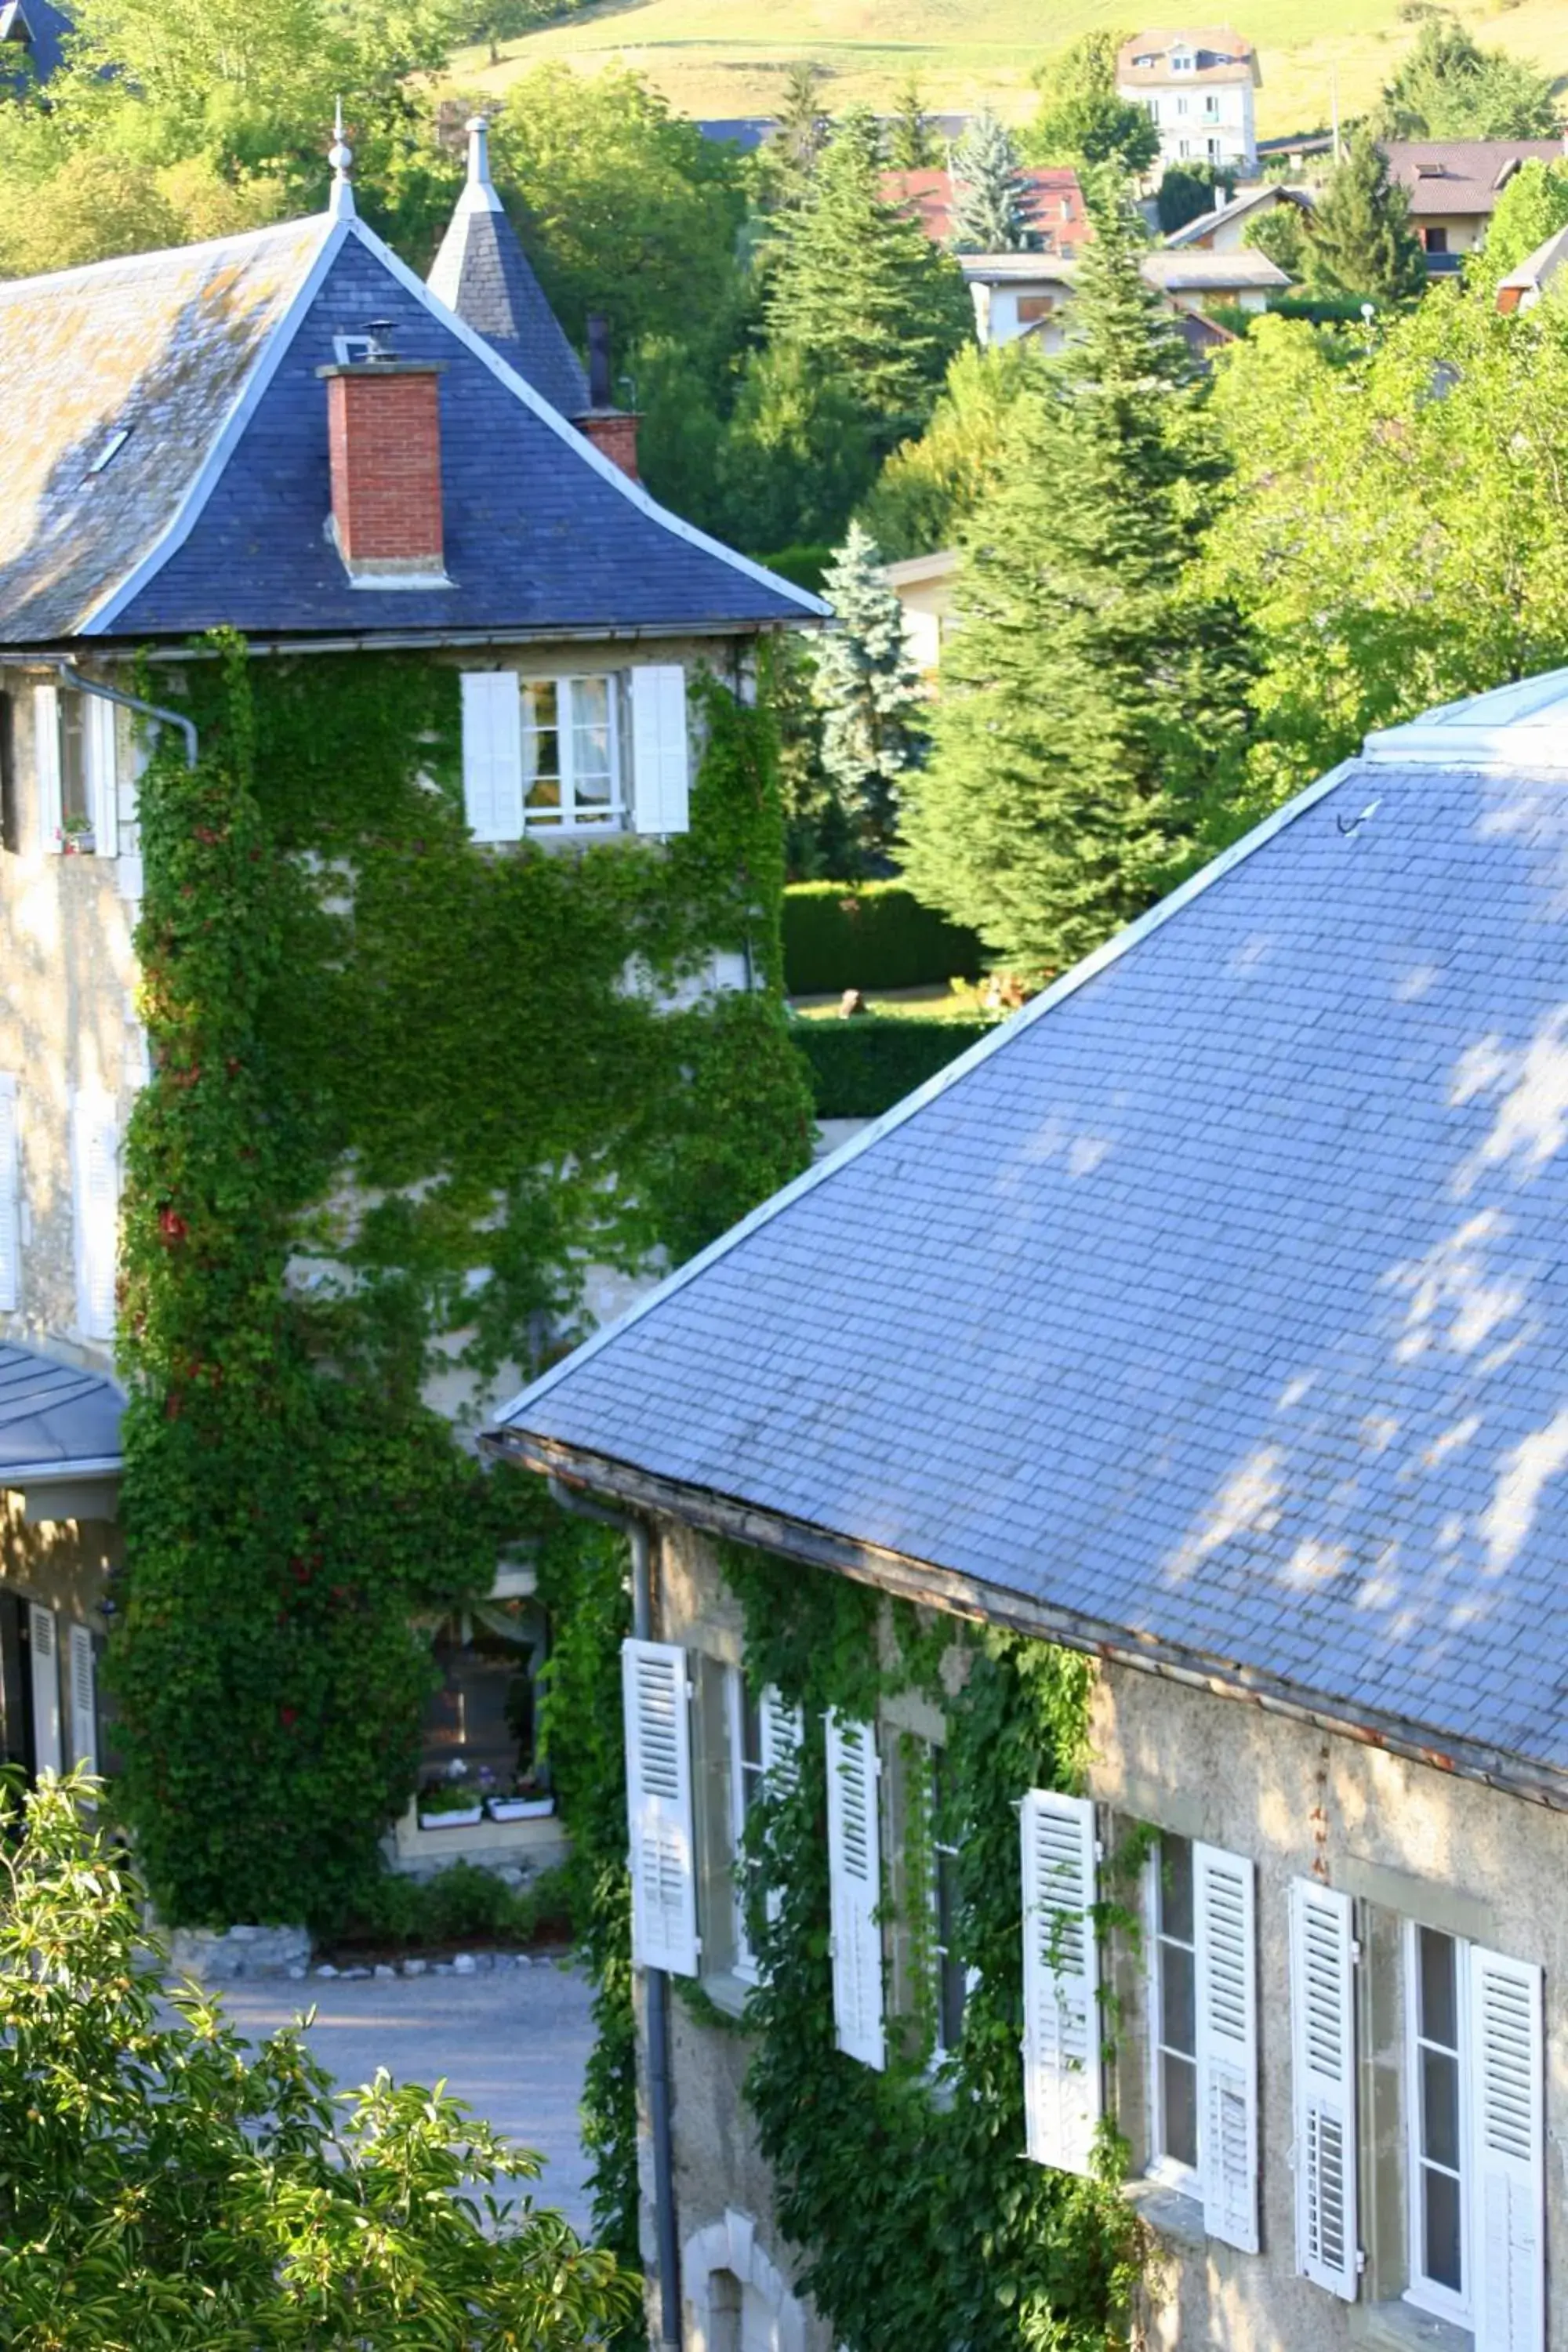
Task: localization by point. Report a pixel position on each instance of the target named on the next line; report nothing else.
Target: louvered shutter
(100, 724)
(1322, 2023)
(10, 1199)
(47, 764)
(1508, 2085)
(45, 1673)
(1061, 1981)
(84, 1699)
(95, 1171)
(855, 1889)
(492, 754)
(783, 1732)
(1227, 2043)
(658, 1802)
(661, 757)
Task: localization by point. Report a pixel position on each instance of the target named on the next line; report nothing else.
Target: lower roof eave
(966, 1596)
(176, 647)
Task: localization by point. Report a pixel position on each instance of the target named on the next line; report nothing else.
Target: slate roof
(212, 512)
(1217, 1306)
(482, 273)
(39, 30)
(1448, 178)
(56, 1421)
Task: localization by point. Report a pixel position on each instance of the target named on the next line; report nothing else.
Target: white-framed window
(1211, 105)
(1183, 61)
(575, 756)
(743, 1717)
(77, 760)
(1213, 148)
(1438, 2115)
(1173, 2015)
(1181, 108)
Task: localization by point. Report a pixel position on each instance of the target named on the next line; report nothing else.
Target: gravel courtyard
(512, 2043)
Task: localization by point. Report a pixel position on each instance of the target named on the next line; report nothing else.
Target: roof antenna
(341, 155)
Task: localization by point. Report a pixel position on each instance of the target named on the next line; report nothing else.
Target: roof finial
(478, 193)
(341, 156)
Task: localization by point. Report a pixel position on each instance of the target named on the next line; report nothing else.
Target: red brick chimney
(383, 434)
(613, 431)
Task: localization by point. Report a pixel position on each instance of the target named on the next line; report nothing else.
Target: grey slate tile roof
(482, 273)
(1221, 1303)
(53, 1419)
(213, 511)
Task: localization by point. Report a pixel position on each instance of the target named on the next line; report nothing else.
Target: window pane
(1176, 1888)
(1177, 2011)
(1440, 1990)
(1179, 2098)
(1440, 2108)
(953, 1990)
(541, 749)
(591, 772)
(74, 811)
(1440, 2230)
(750, 1729)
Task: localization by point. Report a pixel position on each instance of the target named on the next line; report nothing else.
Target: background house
(1237, 1368)
(1452, 185)
(1199, 86)
(1018, 294)
(1226, 228)
(1057, 220)
(288, 435)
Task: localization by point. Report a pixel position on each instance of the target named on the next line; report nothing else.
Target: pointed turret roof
(482, 273)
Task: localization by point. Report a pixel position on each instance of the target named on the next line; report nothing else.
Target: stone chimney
(613, 431)
(384, 434)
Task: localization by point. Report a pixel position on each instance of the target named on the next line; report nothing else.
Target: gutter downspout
(656, 1981)
(73, 678)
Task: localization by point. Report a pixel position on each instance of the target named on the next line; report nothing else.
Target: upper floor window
(595, 752)
(952, 1978)
(77, 764)
(1437, 2108)
(1173, 2012)
(1211, 105)
(1182, 61)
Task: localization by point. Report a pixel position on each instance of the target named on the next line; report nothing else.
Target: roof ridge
(1007, 1032)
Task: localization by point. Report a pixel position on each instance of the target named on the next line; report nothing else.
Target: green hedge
(869, 934)
(861, 1067)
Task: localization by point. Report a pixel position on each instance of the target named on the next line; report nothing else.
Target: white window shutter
(1061, 1981)
(95, 1175)
(1508, 2065)
(492, 754)
(658, 1802)
(661, 751)
(1322, 2027)
(84, 1699)
(1227, 2043)
(855, 1889)
(783, 1734)
(10, 1199)
(46, 1668)
(103, 774)
(47, 764)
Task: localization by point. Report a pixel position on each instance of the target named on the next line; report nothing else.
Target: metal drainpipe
(656, 1981)
(73, 678)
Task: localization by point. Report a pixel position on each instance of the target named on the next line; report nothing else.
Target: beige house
(1200, 87)
(923, 586)
(1019, 294)
(1208, 1321)
(1454, 186)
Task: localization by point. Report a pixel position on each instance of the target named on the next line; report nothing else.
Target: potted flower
(450, 1806)
(76, 837)
(526, 1801)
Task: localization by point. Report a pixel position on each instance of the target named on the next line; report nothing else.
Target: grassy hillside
(728, 57)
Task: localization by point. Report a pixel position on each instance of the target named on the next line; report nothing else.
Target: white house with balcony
(1199, 86)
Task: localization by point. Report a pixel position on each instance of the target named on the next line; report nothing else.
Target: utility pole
(1335, 106)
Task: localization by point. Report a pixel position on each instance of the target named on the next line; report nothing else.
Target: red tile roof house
(289, 435)
(1058, 219)
(1209, 1319)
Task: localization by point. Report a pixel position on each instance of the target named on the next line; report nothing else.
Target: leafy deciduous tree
(1448, 87)
(928, 488)
(1533, 207)
(1082, 119)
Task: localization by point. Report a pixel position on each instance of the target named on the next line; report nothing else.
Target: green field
(728, 57)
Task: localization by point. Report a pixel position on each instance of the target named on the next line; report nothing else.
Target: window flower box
(459, 1810)
(519, 1809)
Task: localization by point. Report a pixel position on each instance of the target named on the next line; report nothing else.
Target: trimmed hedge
(869, 934)
(861, 1067)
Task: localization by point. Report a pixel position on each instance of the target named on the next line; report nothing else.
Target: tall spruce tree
(867, 688)
(858, 290)
(912, 142)
(1092, 703)
(1362, 237)
(990, 210)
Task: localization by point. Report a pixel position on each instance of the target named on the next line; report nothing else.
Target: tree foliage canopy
(928, 488)
(1361, 234)
(1533, 207)
(1448, 87)
(869, 690)
(1081, 118)
(166, 2184)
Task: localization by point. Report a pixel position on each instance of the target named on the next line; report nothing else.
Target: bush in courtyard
(860, 1068)
(163, 2183)
(871, 935)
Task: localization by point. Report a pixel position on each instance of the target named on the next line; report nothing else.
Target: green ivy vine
(919, 2220)
(402, 1094)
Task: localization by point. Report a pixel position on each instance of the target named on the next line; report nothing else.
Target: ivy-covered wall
(405, 1094)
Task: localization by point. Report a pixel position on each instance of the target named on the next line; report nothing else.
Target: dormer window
(1182, 61)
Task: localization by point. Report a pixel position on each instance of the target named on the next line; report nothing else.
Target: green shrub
(869, 934)
(860, 1068)
(456, 1903)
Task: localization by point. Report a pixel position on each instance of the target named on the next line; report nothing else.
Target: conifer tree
(912, 143)
(858, 290)
(791, 157)
(990, 194)
(1362, 237)
(1090, 701)
(867, 688)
